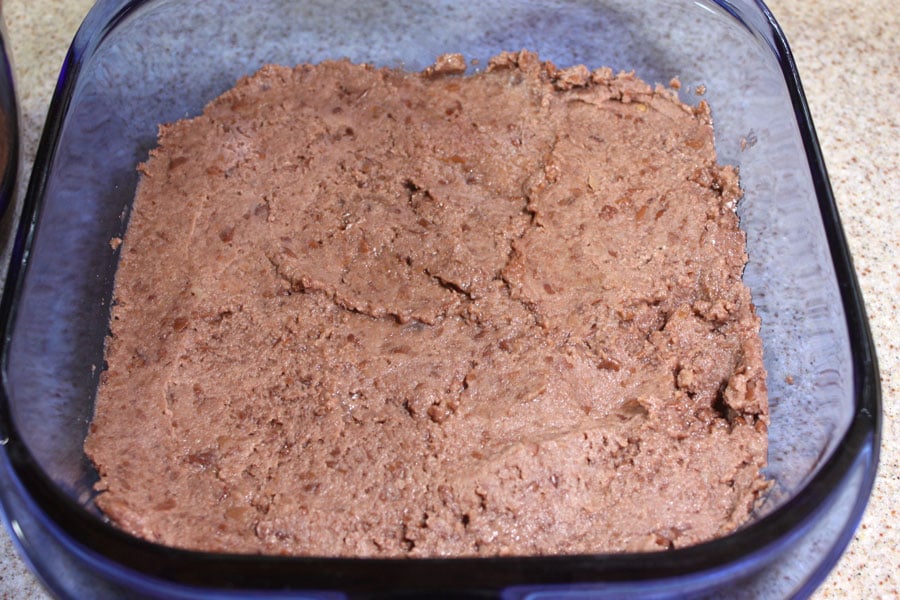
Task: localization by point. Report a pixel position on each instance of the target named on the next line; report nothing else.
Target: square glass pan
(136, 64)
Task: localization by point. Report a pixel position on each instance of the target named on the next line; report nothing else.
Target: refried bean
(366, 312)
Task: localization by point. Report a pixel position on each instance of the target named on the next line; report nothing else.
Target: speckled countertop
(848, 55)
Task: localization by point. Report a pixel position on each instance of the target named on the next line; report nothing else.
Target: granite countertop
(847, 56)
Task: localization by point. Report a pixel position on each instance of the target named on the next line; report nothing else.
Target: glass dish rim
(718, 558)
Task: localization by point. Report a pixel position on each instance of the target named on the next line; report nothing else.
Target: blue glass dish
(9, 135)
(135, 64)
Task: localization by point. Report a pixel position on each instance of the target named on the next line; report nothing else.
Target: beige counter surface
(848, 56)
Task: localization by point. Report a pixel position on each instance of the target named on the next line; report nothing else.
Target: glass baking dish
(9, 135)
(135, 64)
